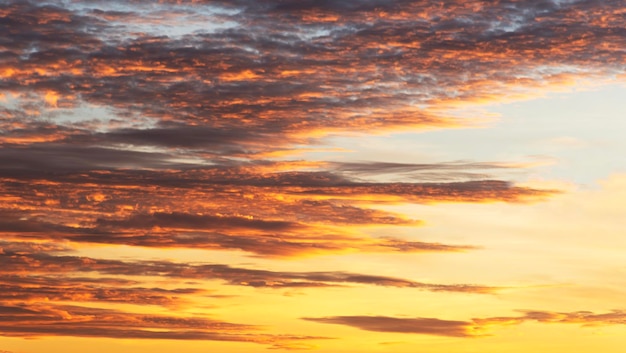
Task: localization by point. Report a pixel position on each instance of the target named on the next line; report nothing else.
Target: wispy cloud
(474, 327)
(16, 256)
(429, 326)
(65, 320)
(32, 289)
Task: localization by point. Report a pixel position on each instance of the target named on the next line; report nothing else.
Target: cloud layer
(15, 257)
(178, 132)
(191, 125)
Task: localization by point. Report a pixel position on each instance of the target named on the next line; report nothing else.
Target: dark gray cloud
(62, 158)
(393, 168)
(200, 222)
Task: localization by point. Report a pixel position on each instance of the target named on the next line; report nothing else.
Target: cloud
(33, 289)
(64, 158)
(36, 273)
(317, 68)
(64, 320)
(459, 170)
(120, 126)
(584, 318)
(253, 179)
(228, 205)
(174, 131)
(177, 230)
(13, 259)
(427, 326)
(267, 245)
(474, 327)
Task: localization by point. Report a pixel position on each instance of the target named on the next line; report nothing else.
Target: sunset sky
(337, 176)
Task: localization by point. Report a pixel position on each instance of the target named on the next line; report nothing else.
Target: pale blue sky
(575, 136)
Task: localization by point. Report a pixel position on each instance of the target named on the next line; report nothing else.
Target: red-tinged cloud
(42, 320)
(16, 257)
(33, 289)
(474, 327)
(166, 125)
(178, 230)
(119, 125)
(231, 206)
(268, 245)
(116, 132)
(288, 70)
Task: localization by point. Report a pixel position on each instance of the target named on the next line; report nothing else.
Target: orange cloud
(64, 320)
(324, 77)
(43, 260)
(187, 146)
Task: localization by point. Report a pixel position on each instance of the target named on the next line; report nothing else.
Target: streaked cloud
(32, 289)
(473, 327)
(178, 126)
(16, 256)
(239, 207)
(58, 320)
(429, 326)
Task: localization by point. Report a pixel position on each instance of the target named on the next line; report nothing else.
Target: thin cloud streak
(473, 328)
(429, 326)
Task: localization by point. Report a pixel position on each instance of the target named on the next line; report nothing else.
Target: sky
(333, 176)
